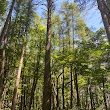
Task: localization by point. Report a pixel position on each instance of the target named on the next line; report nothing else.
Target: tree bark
(71, 98)
(63, 93)
(2, 76)
(86, 100)
(54, 94)
(57, 96)
(35, 80)
(2, 71)
(22, 103)
(76, 87)
(91, 95)
(47, 72)
(104, 94)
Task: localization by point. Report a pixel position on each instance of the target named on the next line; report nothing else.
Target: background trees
(55, 63)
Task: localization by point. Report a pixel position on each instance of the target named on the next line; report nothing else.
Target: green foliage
(75, 50)
(2, 6)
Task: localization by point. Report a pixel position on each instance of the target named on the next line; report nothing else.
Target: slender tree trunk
(71, 98)
(14, 100)
(86, 95)
(23, 101)
(35, 76)
(24, 96)
(57, 96)
(91, 94)
(54, 94)
(91, 98)
(82, 100)
(47, 72)
(63, 93)
(104, 94)
(96, 97)
(76, 87)
(63, 82)
(23, 88)
(2, 76)
(2, 71)
(6, 25)
(34, 81)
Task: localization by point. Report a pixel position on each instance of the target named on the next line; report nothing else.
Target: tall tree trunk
(24, 95)
(47, 72)
(76, 87)
(63, 93)
(6, 25)
(2, 71)
(91, 94)
(14, 100)
(105, 13)
(54, 94)
(23, 88)
(96, 97)
(35, 79)
(86, 100)
(35, 76)
(104, 94)
(63, 81)
(2, 76)
(71, 98)
(57, 96)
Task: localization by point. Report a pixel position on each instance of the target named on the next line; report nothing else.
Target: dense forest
(50, 59)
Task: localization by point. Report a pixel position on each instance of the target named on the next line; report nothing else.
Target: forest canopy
(50, 59)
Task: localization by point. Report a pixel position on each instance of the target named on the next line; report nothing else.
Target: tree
(77, 60)
(104, 10)
(103, 6)
(47, 72)
(3, 41)
(6, 25)
(29, 11)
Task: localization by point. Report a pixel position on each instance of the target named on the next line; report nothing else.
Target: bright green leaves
(81, 28)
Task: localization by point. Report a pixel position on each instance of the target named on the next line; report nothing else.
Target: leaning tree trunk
(2, 76)
(14, 100)
(47, 72)
(2, 71)
(105, 13)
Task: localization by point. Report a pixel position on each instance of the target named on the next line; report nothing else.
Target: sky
(93, 19)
